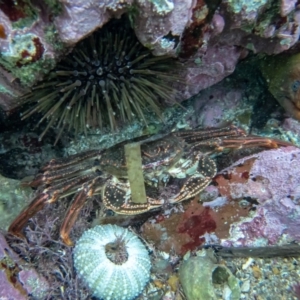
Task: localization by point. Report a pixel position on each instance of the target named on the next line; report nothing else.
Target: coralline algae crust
(248, 6)
(162, 6)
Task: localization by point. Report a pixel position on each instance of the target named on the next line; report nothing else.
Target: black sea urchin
(109, 76)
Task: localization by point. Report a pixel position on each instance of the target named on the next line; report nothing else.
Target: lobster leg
(36, 205)
(50, 195)
(75, 208)
(250, 141)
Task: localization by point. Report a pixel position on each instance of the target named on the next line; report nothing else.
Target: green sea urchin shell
(113, 262)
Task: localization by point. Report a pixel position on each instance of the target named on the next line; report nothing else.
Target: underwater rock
(220, 105)
(9, 90)
(257, 203)
(159, 25)
(197, 275)
(113, 262)
(8, 290)
(226, 37)
(21, 152)
(17, 281)
(271, 179)
(287, 6)
(12, 202)
(260, 26)
(211, 38)
(79, 18)
(192, 224)
(180, 231)
(34, 284)
(209, 66)
(292, 130)
(282, 74)
(29, 45)
(271, 174)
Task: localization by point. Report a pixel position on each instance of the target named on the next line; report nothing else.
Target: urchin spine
(109, 76)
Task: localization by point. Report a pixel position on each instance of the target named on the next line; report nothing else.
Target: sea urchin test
(113, 262)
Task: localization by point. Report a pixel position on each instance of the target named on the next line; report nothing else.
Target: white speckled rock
(106, 279)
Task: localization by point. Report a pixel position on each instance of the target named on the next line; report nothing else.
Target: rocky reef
(209, 38)
(198, 273)
(238, 64)
(16, 279)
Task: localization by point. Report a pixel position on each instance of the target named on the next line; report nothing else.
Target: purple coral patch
(16, 281)
(274, 182)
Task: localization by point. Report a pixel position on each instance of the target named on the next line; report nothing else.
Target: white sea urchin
(113, 262)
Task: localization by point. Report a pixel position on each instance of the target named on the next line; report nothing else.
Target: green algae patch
(13, 199)
(27, 73)
(162, 7)
(52, 38)
(55, 6)
(238, 6)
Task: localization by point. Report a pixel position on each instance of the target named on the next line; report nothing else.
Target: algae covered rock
(199, 273)
(12, 200)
